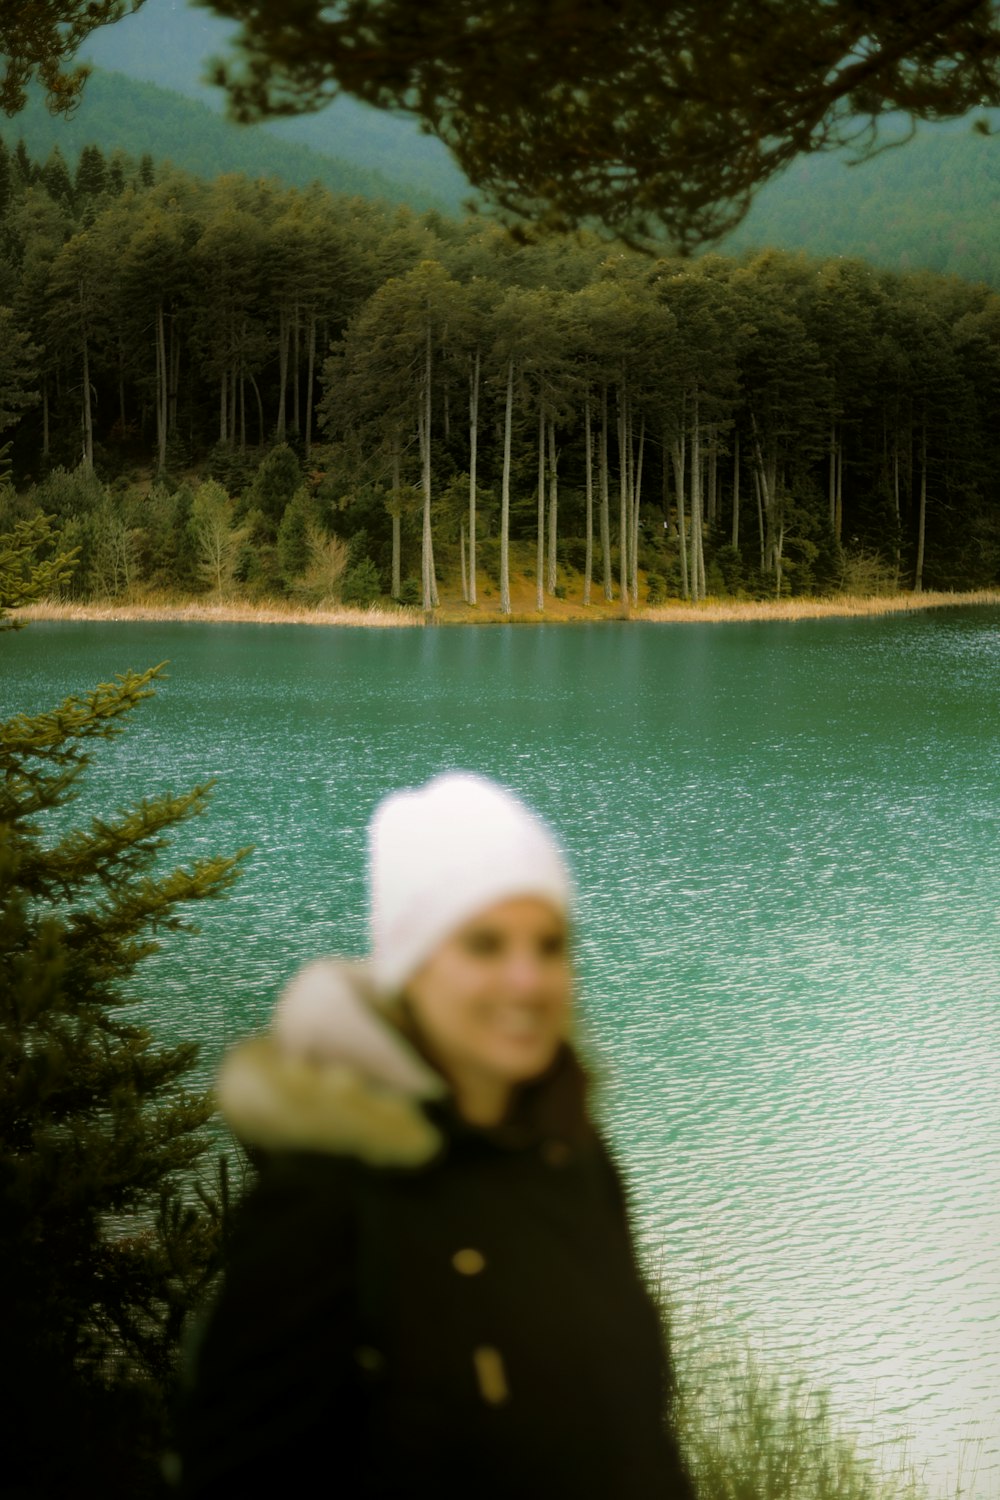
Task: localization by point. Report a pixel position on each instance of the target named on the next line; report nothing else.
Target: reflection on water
(785, 844)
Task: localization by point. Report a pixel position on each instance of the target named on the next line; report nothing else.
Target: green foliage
(277, 480)
(218, 539)
(101, 1231)
(294, 538)
(361, 584)
(641, 116)
(26, 574)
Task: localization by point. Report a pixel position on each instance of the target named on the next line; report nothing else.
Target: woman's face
(493, 1001)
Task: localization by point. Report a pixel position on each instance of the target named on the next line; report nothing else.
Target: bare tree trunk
(636, 504)
(296, 405)
(588, 562)
(223, 408)
(424, 435)
(553, 577)
(311, 370)
(260, 412)
(838, 523)
(832, 478)
(45, 419)
(736, 493)
(175, 375)
(461, 558)
(895, 497)
(679, 457)
(697, 564)
(713, 473)
(88, 418)
(505, 495)
(243, 413)
(473, 452)
(540, 519)
(283, 340)
(623, 507)
(161, 389)
(918, 572)
(397, 585)
(605, 503)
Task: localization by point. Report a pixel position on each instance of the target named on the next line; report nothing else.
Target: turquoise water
(785, 844)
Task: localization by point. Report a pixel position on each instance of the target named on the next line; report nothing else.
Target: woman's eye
(482, 943)
(553, 945)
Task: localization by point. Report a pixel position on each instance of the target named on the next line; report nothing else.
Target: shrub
(361, 584)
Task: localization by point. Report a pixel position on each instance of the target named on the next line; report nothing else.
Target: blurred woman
(432, 1288)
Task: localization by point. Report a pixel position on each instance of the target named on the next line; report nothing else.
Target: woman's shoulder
(330, 1078)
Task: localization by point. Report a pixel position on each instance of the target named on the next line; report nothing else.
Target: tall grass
(749, 1435)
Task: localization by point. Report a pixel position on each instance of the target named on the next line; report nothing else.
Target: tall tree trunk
(623, 508)
(760, 520)
(636, 504)
(397, 585)
(831, 484)
(895, 497)
(553, 577)
(736, 493)
(505, 495)
(588, 560)
(175, 375)
(713, 473)
(540, 515)
(697, 563)
(223, 408)
(679, 457)
(311, 370)
(260, 411)
(243, 413)
(424, 435)
(605, 502)
(283, 340)
(45, 418)
(88, 418)
(473, 452)
(161, 389)
(296, 404)
(461, 558)
(918, 572)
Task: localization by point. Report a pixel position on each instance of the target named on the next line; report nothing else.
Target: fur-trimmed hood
(332, 1074)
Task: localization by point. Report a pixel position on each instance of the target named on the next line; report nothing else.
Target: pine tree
(106, 1235)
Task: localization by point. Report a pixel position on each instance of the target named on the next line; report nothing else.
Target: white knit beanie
(439, 854)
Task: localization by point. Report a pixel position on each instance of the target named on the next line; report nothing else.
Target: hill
(931, 204)
(117, 111)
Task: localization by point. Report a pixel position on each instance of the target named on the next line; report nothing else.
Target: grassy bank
(455, 612)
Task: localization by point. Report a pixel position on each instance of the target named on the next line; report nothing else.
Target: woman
(432, 1288)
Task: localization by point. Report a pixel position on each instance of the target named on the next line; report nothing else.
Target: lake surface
(785, 838)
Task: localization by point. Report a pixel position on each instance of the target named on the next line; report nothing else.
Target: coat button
(468, 1262)
(556, 1153)
(491, 1377)
(369, 1359)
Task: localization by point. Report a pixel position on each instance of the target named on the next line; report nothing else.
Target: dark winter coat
(469, 1324)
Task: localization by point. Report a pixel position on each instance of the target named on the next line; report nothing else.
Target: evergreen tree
(105, 1240)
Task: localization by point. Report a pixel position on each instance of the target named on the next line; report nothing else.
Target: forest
(235, 385)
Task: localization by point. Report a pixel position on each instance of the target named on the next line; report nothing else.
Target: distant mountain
(139, 117)
(169, 43)
(933, 204)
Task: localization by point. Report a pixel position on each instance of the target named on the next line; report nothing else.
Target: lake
(785, 840)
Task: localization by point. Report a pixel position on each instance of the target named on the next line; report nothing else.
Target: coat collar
(334, 1074)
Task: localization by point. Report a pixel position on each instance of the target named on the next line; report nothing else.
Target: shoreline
(562, 612)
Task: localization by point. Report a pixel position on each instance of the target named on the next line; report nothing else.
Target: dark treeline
(342, 400)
